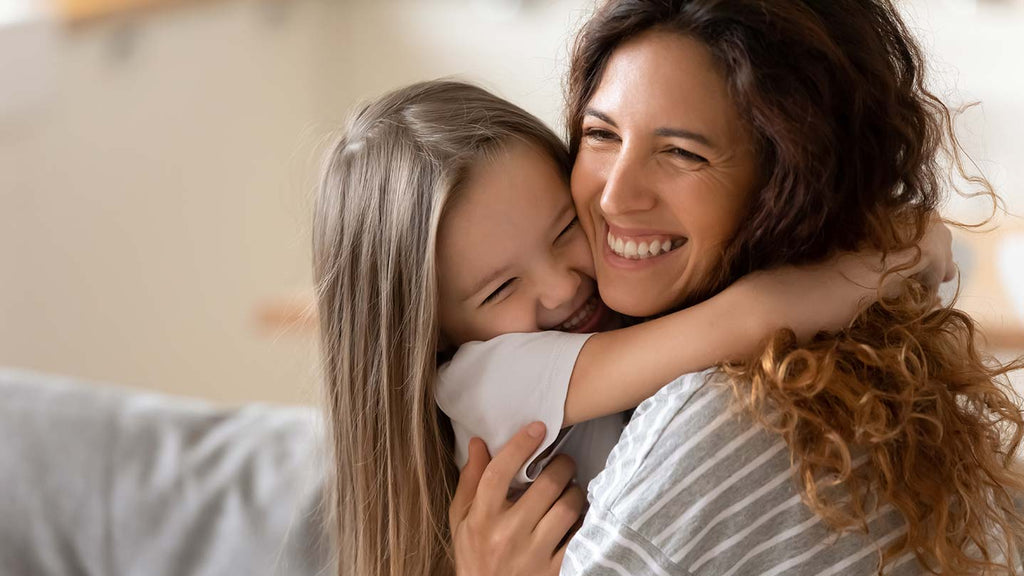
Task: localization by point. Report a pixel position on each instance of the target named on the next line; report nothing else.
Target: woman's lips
(632, 250)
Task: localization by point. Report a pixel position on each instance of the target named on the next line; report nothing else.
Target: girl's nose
(560, 285)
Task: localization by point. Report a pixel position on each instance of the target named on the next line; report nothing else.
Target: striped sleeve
(606, 547)
(695, 487)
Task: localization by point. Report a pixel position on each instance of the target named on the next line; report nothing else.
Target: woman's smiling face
(664, 172)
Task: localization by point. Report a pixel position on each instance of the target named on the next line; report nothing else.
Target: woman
(768, 133)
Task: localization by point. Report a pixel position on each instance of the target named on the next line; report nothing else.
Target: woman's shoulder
(663, 428)
(697, 482)
(680, 395)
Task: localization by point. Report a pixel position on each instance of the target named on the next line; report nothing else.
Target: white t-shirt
(492, 389)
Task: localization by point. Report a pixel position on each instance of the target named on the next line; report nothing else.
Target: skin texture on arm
(617, 370)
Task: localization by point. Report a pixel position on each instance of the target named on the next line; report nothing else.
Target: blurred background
(157, 160)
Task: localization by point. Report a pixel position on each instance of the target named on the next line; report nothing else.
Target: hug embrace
(702, 338)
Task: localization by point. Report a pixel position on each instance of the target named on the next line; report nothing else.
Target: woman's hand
(492, 535)
(829, 295)
(936, 264)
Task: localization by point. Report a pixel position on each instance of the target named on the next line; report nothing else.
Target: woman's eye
(572, 224)
(493, 296)
(687, 155)
(598, 134)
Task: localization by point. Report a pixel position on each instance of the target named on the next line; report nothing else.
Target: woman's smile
(632, 249)
(663, 174)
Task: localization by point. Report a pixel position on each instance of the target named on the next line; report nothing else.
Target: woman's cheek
(586, 189)
(581, 254)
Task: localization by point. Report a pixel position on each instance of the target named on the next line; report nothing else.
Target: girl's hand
(492, 535)
(829, 295)
(936, 265)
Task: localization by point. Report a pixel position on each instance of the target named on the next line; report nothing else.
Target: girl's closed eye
(573, 225)
(499, 293)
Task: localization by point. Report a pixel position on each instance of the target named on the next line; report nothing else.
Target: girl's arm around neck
(617, 370)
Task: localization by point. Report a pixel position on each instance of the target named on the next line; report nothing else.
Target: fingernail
(535, 430)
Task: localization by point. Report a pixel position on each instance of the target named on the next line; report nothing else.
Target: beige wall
(154, 186)
(155, 172)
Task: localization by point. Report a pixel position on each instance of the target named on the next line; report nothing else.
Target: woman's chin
(631, 302)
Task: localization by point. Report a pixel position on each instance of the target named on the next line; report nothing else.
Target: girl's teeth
(639, 251)
(580, 316)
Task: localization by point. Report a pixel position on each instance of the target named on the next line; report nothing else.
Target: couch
(96, 480)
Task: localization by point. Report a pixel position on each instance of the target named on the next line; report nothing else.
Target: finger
(557, 559)
(498, 476)
(545, 490)
(560, 519)
(469, 479)
(931, 276)
(950, 272)
(563, 548)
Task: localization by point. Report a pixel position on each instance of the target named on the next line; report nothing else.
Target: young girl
(444, 228)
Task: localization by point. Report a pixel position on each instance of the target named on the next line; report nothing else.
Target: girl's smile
(512, 256)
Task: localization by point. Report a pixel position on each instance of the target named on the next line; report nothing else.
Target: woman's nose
(625, 190)
(560, 285)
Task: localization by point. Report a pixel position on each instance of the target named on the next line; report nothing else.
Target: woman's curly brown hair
(851, 146)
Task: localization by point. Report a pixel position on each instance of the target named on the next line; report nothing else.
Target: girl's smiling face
(511, 254)
(664, 173)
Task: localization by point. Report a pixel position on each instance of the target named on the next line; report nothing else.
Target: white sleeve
(492, 389)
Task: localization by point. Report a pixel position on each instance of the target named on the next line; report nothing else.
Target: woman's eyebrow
(685, 134)
(667, 132)
(600, 116)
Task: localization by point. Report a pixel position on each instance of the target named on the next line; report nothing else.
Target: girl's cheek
(511, 317)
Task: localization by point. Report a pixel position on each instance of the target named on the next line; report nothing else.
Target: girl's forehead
(509, 205)
(517, 178)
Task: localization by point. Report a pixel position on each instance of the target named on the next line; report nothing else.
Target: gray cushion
(101, 481)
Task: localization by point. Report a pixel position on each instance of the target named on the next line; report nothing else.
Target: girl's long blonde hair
(383, 191)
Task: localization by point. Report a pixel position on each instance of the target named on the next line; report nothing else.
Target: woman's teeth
(580, 316)
(645, 249)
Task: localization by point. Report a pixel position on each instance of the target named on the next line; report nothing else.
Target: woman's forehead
(662, 79)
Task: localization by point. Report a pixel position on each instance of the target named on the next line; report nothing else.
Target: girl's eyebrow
(668, 132)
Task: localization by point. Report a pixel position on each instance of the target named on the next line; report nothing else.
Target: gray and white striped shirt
(694, 486)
